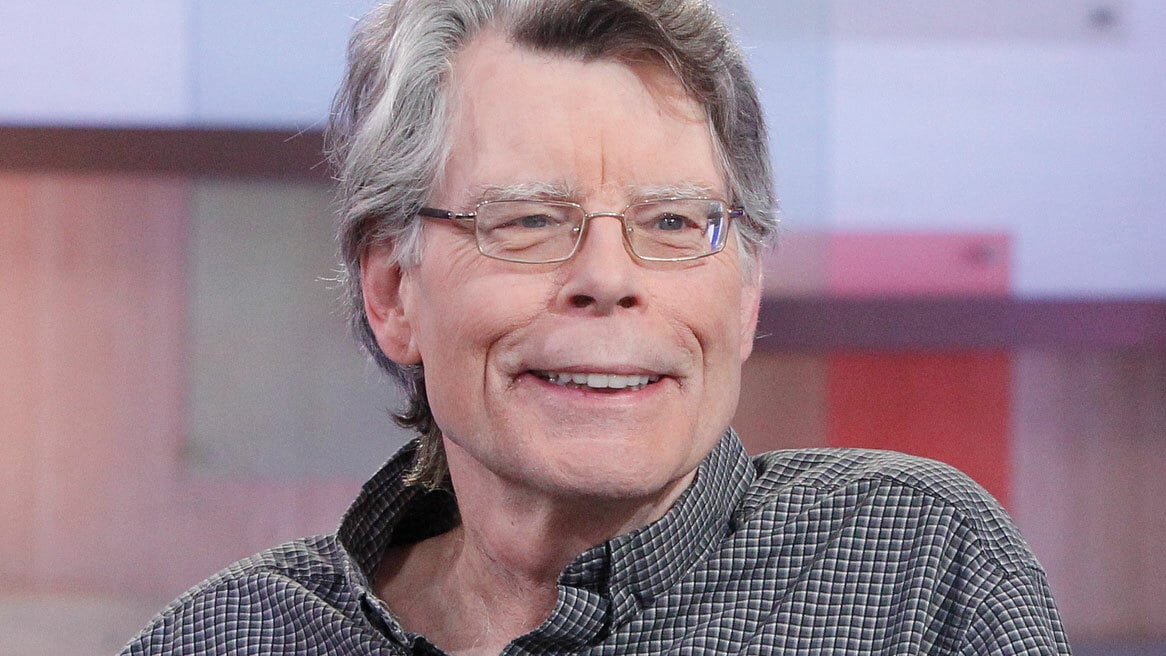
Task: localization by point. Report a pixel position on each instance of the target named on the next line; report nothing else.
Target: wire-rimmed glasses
(545, 231)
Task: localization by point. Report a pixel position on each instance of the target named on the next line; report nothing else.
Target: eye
(530, 221)
(670, 222)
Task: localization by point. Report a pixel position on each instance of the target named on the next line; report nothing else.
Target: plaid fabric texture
(820, 551)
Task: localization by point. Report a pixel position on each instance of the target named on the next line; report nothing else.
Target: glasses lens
(677, 229)
(528, 231)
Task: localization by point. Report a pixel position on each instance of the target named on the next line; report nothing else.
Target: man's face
(491, 333)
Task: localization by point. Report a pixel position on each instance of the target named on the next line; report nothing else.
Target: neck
(501, 565)
(526, 534)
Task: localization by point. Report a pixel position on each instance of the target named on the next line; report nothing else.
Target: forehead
(520, 117)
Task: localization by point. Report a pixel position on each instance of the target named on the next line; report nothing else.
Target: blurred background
(973, 268)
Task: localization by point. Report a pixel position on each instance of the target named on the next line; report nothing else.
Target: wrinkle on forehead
(600, 172)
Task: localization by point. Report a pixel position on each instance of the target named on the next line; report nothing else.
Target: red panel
(903, 264)
(950, 406)
(953, 407)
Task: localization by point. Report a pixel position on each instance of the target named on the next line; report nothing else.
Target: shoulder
(275, 588)
(314, 563)
(828, 469)
(852, 544)
(886, 491)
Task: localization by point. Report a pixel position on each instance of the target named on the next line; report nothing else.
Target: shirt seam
(988, 593)
(237, 580)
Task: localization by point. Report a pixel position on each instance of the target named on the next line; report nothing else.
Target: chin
(614, 474)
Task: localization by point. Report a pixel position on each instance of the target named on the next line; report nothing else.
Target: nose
(603, 275)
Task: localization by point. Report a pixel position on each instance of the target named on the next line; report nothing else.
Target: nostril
(627, 302)
(581, 300)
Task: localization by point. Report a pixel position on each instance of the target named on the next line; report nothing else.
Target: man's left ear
(750, 307)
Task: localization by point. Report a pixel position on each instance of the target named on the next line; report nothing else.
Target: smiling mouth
(597, 381)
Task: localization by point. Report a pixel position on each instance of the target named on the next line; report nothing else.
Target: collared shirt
(818, 551)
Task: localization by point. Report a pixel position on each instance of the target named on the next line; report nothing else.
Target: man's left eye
(670, 222)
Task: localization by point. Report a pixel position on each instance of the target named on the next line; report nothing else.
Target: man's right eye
(531, 221)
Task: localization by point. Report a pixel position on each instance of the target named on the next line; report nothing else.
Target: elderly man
(552, 213)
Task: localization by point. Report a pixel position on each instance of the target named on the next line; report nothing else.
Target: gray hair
(387, 133)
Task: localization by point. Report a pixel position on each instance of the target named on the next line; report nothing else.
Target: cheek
(716, 311)
(467, 315)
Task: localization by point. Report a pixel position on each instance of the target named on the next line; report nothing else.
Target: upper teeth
(599, 381)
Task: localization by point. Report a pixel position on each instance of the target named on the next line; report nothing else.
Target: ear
(750, 308)
(387, 302)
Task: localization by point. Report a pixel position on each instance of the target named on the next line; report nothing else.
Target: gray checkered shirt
(820, 551)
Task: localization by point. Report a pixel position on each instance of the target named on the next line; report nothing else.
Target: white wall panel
(88, 61)
(269, 62)
(787, 44)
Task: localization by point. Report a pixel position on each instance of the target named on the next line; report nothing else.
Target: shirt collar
(627, 572)
(386, 512)
(637, 567)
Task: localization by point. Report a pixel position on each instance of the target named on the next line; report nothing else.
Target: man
(552, 213)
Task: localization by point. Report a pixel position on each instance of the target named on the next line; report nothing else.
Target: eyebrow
(641, 193)
(563, 191)
(559, 191)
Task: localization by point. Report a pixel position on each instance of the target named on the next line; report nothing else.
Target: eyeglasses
(541, 232)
